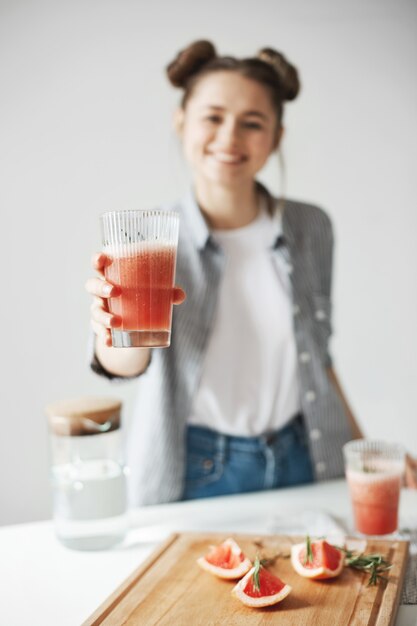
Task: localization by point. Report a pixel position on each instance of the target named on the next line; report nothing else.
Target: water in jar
(89, 502)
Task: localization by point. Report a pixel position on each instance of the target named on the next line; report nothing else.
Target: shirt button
(289, 268)
(310, 396)
(320, 315)
(320, 467)
(305, 357)
(315, 434)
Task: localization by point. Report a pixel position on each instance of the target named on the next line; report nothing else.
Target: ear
(178, 121)
(278, 137)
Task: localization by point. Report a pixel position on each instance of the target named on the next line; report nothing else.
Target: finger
(106, 319)
(100, 303)
(103, 334)
(100, 261)
(410, 477)
(178, 295)
(101, 288)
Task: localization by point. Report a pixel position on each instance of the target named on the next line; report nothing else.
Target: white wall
(85, 126)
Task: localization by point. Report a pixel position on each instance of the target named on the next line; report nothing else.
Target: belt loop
(221, 444)
(270, 463)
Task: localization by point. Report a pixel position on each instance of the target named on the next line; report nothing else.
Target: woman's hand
(410, 478)
(101, 318)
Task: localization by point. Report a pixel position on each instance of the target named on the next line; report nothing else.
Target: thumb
(178, 295)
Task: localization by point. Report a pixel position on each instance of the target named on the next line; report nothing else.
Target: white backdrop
(85, 114)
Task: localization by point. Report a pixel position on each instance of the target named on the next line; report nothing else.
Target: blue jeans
(220, 464)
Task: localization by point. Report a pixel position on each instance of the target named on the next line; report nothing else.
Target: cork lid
(87, 415)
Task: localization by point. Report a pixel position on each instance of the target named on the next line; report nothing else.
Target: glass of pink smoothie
(374, 471)
(143, 249)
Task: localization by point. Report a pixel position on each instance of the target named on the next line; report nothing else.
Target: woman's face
(228, 128)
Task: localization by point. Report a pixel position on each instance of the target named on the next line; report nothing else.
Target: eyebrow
(253, 113)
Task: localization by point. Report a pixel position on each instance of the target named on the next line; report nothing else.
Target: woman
(245, 398)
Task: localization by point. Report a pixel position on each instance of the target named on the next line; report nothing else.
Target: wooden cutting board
(170, 589)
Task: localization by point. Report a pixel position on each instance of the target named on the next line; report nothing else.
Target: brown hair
(269, 68)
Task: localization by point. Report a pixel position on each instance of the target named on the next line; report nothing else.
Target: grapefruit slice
(326, 561)
(226, 560)
(260, 588)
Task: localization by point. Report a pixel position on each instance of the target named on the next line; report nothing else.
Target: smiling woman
(246, 397)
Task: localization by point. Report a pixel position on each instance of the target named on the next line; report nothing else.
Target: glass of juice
(374, 471)
(143, 248)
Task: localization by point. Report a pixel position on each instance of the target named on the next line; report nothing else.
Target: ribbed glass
(372, 456)
(143, 249)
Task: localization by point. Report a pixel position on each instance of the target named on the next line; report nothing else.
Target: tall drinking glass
(143, 249)
(374, 471)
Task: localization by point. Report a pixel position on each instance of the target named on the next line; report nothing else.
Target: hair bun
(189, 61)
(287, 73)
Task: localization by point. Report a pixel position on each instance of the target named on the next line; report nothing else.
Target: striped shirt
(156, 441)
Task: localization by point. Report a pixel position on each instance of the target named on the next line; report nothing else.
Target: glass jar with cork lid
(87, 472)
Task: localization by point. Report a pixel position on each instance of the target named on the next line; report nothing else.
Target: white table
(41, 582)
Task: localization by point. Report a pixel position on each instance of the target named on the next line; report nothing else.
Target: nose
(228, 134)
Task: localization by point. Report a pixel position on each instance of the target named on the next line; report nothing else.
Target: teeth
(228, 158)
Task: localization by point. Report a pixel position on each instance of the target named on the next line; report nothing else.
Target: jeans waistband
(221, 441)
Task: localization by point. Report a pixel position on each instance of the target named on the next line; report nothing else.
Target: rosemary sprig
(255, 575)
(309, 552)
(374, 564)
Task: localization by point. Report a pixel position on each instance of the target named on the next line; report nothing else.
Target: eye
(253, 125)
(214, 119)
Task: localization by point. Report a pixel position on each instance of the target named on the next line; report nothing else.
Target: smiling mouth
(228, 159)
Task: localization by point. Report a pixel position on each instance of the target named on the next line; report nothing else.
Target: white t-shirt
(249, 381)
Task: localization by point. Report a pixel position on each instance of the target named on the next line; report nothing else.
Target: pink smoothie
(146, 278)
(375, 497)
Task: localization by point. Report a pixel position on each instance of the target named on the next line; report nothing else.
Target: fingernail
(107, 289)
(115, 321)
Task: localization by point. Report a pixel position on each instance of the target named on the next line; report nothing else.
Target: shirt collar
(197, 224)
